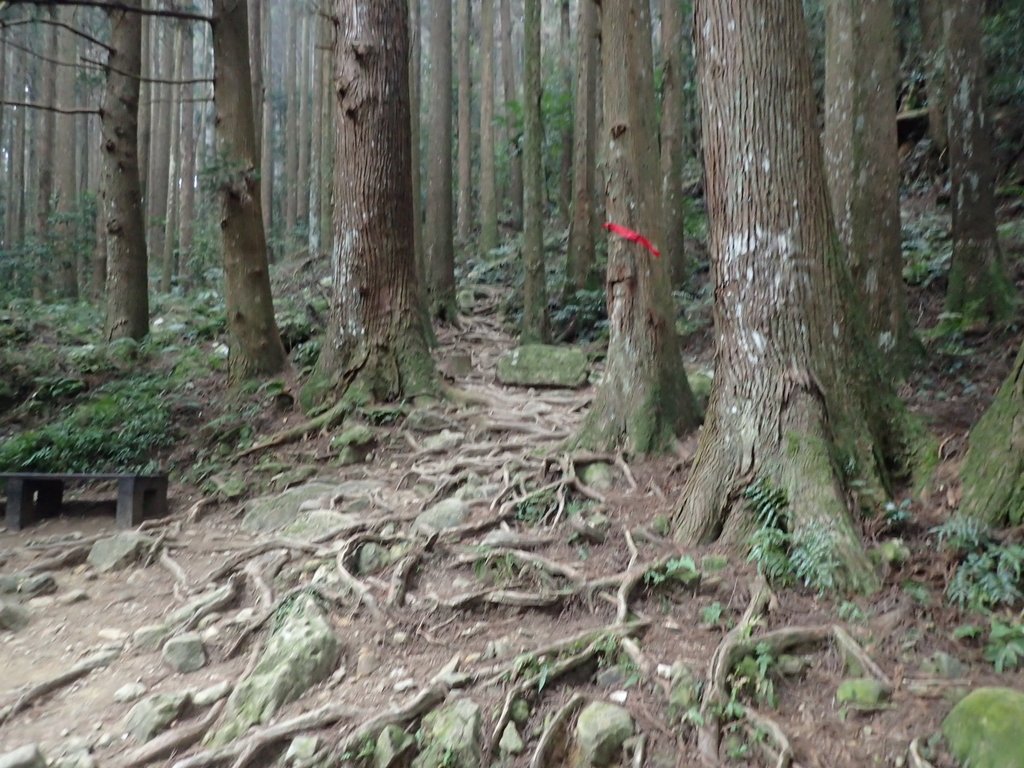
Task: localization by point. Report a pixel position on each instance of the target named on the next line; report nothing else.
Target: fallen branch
(39, 690)
(506, 597)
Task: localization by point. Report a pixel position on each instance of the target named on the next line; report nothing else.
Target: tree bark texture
(565, 68)
(375, 346)
(644, 399)
(187, 205)
(65, 187)
(579, 268)
(488, 177)
(535, 303)
(267, 122)
(862, 163)
(508, 73)
(978, 287)
(437, 231)
(291, 124)
(160, 145)
(796, 402)
(305, 134)
(415, 56)
(929, 14)
(464, 209)
(168, 267)
(255, 347)
(316, 167)
(123, 211)
(672, 140)
(46, 123)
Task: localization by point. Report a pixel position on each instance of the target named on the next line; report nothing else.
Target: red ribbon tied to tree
(633, 237)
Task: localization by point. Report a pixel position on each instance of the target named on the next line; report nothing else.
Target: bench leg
(138, 499)
(20, 505)
(49, 498)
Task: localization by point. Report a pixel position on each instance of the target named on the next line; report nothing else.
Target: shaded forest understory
(557, 584)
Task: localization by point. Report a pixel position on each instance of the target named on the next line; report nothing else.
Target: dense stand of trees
(144, 147)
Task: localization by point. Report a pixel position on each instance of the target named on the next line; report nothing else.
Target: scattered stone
(154, 714)
(112, 635)
(511, 743)
(129, 692)
(201, 603)
(366, 661)
(269, 513)
(941, 664)
(452, 737)
(619, 697)
(28, 756)
(520, 712)
(9, 583)
(543, 365)
(185, 653)
(38, 584)
(41, 603)
(301, 652)
(788, 665)
(685, 690)
(404, 685)
(423, 420)
(150, 637)
(72, 597)
(863, 693)
(392, 748)
(12, 617)
(354, 444)
(984, 729)
(119, 551)
(78, 758)
(292, 476)
(315, 522)
(443, 515)
(302, 748)
(211, 695)
(371, 558)
(598, 476)
(498, 649)
(456, 365)
(443, 441)
(601, 731)
(611, 677)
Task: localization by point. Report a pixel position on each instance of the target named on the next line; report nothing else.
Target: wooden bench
(34, 495)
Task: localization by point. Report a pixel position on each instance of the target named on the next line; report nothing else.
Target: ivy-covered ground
(441, 580)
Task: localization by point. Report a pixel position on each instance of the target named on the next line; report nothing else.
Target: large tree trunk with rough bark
(122, 211)
(188, 165)
(644, 400)
(672, 147)
(930, 18)
(255, 347)
(375, 346)
(978, 286)
(861, 160)
(488, 179)
(46, 122)
(267, 122)
(513, 127)
(579, 264)
(796, 405)
(464, 209)
(65, 190)
(439, 248)
(167, 263)
(535, 305)
(993, 472)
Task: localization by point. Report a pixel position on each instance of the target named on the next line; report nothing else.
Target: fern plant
(770, 542)
(990, 574)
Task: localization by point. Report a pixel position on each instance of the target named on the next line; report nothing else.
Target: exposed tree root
(914, 757)
(71, 557)
(326, 420)
(40, 690)
(780, 751)
(214, 604)
(172, 742)
(543, 755)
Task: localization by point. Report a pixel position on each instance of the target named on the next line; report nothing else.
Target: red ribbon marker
(633, 237)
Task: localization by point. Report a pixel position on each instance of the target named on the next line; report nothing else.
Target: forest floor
(529, 597)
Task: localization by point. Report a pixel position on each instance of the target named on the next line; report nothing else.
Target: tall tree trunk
(579, 265)
(535, 304)
(44, 161)
(930, 16)
(508, 72)
(326, 138)
(644, 400)
(65, 187)
(291, 127)
(565, 65)
(127, 283)
(318, 125)
(160, 148)
(255, 347)
(464, 210)
(255, 11)
(174, 155)
(267, 122)
(672, 140)
(16, 201)
(375, 343)
(488, 181)
(304, 137)
(978, 286)
(797, 405)
(5, 235)
(146, 91)
(187, 205)
(437, 232)
(862, 163)
(415, 57)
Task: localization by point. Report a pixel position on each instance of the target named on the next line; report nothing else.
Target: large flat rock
(543, 365)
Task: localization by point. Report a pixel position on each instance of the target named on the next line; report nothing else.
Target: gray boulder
(393, 748)
(268, 513)
(185, 653)
(154, 714)
(543, 365)
(12, 617)
(28, 756)
(119, 551)
(150, 637)
(984, 729)
(452, 737)
(601, 731)
(443, 515)
(301, 652)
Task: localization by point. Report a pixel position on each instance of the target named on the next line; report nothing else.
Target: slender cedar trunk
(464, 209)
(644, 400)
(508, 72)
(565, 65)
(316, 128)
(579, 266)
(267, 122)
(978, 286)
(45, 156)
(16, 211)
(862, 163)
(160, 151)
(797, 403)
(488, 191)
(535, 305)
(415, 53)
(127, 284)
(993, 473)
(326, 139)
(65, 188)
(174, 155)
(376, 346)
(437, 231)
(930, 17)
(145, 102)
(304, 134)
(672, 140)
(291, 128)
(187, 206)
(5, 235)
(255, 347)
(256, 69)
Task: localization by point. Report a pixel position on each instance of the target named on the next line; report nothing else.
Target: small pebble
(619, 697)
(404, 685)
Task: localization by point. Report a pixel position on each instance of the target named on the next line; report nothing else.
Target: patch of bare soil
(553, 588)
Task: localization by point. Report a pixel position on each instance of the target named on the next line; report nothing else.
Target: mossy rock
(268, 513)
(862, 693)
(700, 385)
(601, 731)
(452, 737)
(985, 729)
(543, 365)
